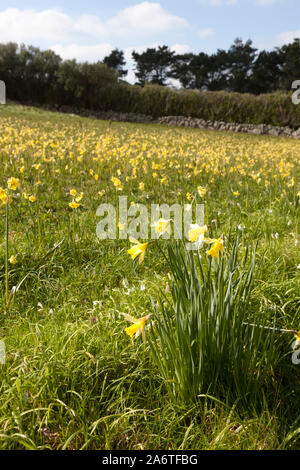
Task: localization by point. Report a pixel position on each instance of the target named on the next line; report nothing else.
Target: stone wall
(260, 129)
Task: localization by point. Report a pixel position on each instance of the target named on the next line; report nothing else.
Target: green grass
(73, 379)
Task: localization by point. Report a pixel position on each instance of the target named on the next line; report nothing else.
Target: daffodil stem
(163, 253)
(270, 328)
(6, 247)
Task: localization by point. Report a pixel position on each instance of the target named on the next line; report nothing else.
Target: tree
(181, 70)
(87, 85)
(38, 70)
(217, 69)
(153, 65)
(241, 58)
(191, 70)
(8, 65)
(115, 60)
(290, 57)
(266, 73)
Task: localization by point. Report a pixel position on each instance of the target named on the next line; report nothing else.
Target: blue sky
(89, 30)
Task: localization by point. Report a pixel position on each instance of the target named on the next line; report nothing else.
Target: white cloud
(180, 48)
(204, 33)
(145, 17)
(83, 53)
(53, 25)
(24, 25)
(288, 36)
(90, 25)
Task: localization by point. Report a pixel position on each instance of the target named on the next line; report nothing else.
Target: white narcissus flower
(162, 225)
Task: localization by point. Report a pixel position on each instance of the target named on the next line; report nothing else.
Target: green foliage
(205, 340)
(115, 60)
(36, 76)
(153, 65)
(276, 109)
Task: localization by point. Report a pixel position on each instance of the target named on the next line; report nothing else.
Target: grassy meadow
(73, 378)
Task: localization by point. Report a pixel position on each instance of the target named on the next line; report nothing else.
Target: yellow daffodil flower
(196, 232)
(138, 326)
(79, 197)
(74, 205)
(202, 191)
(138, 250)
(13, 183)
(218, 246)
(3, 196)
(117, 183)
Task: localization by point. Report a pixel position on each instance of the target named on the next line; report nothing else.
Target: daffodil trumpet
(137, 327)
(217, 247)
(138, 249)
(162, 226)
(196, 232)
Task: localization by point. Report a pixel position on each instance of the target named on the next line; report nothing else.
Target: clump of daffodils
(77, 197)
(196, 235)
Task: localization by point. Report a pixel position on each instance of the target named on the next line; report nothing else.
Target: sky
(90, 30)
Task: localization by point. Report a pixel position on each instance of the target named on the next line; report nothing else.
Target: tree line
(239, 69)
(42, 76)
